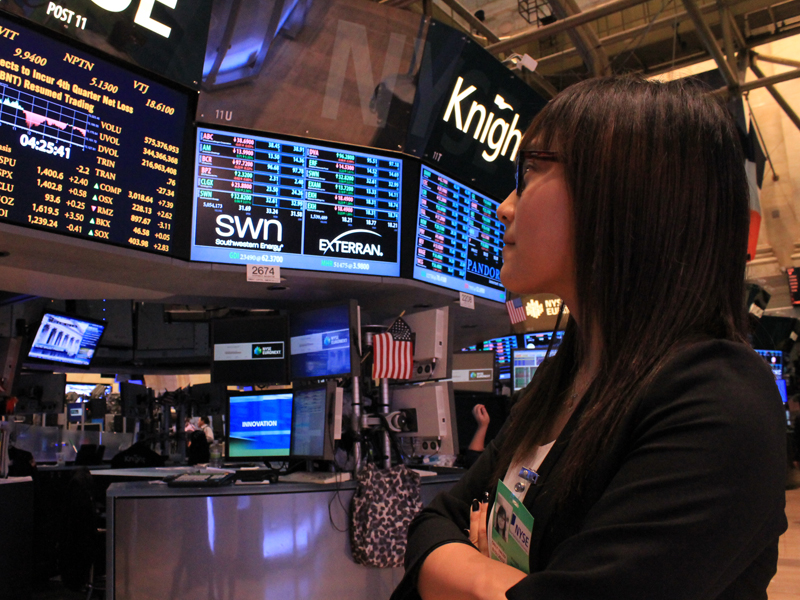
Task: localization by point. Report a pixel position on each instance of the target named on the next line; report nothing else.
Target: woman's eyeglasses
(527, 155)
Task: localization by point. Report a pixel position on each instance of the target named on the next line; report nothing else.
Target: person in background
(206, 429)
(476, 445)
(651, 451)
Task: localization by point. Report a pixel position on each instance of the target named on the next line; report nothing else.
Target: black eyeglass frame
(523, 155)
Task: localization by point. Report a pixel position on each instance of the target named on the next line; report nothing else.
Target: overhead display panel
(459, 241)
(295, 205)
(87, 148)
(167, 37)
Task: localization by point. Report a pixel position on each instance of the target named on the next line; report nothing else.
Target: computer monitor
(76, 412)
(39, 393)
(134, 400)
(502, 348)
(260, 425)
(782, 389)
(66, 340)
(85, 389)
(250, 350)
(474, 371)
(431, 422)
(324, 342)
(541, 339)
(524, 364)
(316, 421)
(774, 358)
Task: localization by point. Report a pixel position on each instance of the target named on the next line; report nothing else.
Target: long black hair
(660, 209)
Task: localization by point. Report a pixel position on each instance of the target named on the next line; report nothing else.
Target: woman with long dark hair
(650, 450)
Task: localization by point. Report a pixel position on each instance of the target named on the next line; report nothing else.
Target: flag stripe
(515, 311)
(393, 359)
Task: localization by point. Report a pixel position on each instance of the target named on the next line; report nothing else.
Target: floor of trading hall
(785, 585)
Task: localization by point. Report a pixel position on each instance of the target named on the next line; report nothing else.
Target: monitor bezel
(256, 457)
(66, 366)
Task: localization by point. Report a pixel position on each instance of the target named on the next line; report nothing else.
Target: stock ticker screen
(87, 148)
(262, 200)
(459, 238)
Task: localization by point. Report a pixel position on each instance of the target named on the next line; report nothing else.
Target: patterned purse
(385, 502)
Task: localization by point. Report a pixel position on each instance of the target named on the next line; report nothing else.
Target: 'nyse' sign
(164, 36)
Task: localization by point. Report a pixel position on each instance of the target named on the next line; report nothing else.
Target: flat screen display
(84, 389)
(459, 239)
(524, 365)
(250, 350)
(774, 358)
(261, 200)
(310, 421)
(87, 148)
(322, 343)
(260, 425)
(542, 340)
(66, 340)
(502, 347)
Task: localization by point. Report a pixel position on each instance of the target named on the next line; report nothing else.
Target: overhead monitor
(250, 350)
(88, 148)
(315, 426)
(39, 393)
(773, 358)
(66, 340)
(502, 348)
(260, 425)
(271, 201)
(459, 239)
(524, 365)
(324, 342)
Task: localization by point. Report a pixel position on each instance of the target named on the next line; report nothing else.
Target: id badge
(510, 538)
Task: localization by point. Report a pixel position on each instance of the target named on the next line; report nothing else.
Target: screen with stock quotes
(262, 200)
(459, 237)
(87, 148)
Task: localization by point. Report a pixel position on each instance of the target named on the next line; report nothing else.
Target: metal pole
(778, 60)
(703, 31)
(473, 21)
(539, 33)
(727, 39)
(776, 94)
(355, 423)
(384, 409)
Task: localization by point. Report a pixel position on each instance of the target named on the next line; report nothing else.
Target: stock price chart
(295, 205)
(86, 148)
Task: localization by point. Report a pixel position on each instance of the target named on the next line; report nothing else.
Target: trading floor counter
(287, 541)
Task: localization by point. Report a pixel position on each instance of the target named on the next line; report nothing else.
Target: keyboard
(315, 477)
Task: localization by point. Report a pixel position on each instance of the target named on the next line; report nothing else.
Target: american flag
(393, 352)
(515, 311)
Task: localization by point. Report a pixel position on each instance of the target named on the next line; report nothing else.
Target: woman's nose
(505, 212)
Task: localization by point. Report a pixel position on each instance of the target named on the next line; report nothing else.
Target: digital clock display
(87, 148)
(295, 205)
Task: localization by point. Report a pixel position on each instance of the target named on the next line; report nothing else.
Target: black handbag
(385, 502)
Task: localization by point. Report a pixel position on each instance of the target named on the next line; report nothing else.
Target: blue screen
(66, 340)
(782, 389)
(320, 343)
(774, 358)
(260, 425)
